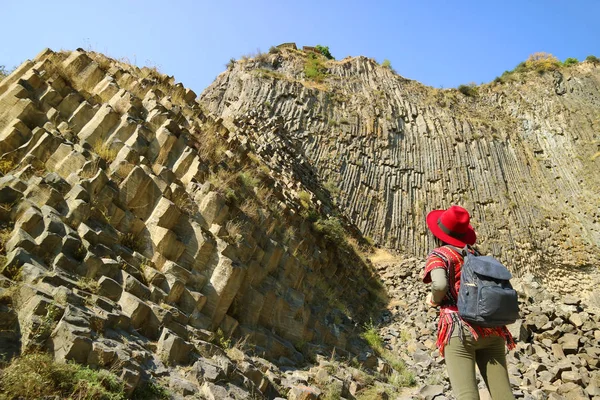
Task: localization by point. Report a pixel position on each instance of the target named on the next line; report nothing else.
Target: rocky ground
(558, 339)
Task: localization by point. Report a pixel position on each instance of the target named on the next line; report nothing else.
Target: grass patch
(209, 143)
(132, 242)
(267, 73)
(47, 324)
(332, 188)
(13, 272)
(401, 377)
(305, 199)
(375, 392)
(88, 284)
(150, 390)
(104, 151)
(6, 166)
(289, 234)
(37, 375)
(247, 179)
(371, 335)
(332, 229)
(221, 340)
(469, 90)
(333, 391)
(314, 68)
(234, 230)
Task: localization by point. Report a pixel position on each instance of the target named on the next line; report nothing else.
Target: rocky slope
(522, 155)
(136, 230)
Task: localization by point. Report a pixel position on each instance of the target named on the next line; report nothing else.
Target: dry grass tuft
(104, 151)
(6, 166)
(37, 375)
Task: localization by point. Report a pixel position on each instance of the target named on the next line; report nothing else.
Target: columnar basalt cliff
(522, 155)
(129, 216)
(144, 231)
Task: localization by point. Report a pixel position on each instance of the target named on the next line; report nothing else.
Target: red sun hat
(452, 226)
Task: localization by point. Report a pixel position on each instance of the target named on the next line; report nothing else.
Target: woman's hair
(437, 242)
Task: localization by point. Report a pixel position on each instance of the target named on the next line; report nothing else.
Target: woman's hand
(429, 300)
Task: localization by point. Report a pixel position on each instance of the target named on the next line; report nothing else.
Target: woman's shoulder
(449, 254)
(445, 250)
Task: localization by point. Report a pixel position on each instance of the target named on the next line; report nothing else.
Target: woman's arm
(439, 285)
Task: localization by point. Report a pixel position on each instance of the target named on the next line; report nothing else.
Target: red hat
(452, 226)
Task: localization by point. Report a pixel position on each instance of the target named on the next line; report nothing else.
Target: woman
(462, 344)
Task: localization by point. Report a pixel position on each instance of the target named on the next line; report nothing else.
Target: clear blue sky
(439, 43)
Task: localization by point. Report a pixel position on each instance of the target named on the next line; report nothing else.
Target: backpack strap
(452, 281)
(465, 251)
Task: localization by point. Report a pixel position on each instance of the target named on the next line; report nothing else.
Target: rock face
(522, 156)
(142, 235)
(135, 227)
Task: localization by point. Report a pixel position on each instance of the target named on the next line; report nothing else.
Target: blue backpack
(486, 298)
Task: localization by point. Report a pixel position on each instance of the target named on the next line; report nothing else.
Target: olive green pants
(489, 355)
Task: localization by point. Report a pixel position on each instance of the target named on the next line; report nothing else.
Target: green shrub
(593, 59)
(386, 64)
(247, 179)
(371, 335)
(570, 61)
(468, 90)
(231, 63)
(305, 199)
(274, 50)
(314, 68)
(332, 229)
(402, 379)
(37, 375)
(332, 188)
(325, 51)
(542, 62)
(220, 339)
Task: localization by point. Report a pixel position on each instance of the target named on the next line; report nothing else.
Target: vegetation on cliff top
(314, 68)
(541, 63)
(325, 51)
(3, 72)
